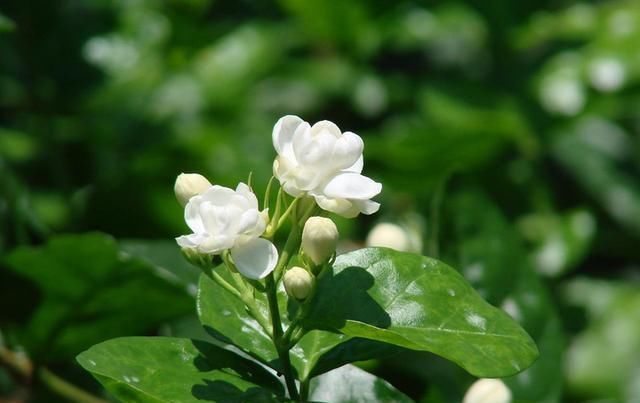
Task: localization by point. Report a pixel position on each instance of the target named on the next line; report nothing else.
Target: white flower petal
(342, 207)
(256, 258)
(357, 166)
(189, 241)
(350, 185)
(314, 151)
(218, 195)
(214, 244)
(192, 215)
(283, 133)
(245, 191)
(367, 206)
(326, 126)
(347, 150)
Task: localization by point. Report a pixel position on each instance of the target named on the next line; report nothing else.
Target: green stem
(290, 247)
(267, 194)
(245, 294)
(285, 215)
(433, 248)
(304, 389)
(224, 284)
(283, 350)
(65, 389)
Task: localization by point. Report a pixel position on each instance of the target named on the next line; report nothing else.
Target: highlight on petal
(283, 133)
(256, 258)
(192, 215)
(350, 185)
(325, 126)
(347, 150)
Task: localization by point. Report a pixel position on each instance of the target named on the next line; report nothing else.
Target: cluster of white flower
(318, 162)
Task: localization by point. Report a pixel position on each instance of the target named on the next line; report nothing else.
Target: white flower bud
(390, 236)
(189, 185)
(298, 282)
(319, 239)
(487, 390)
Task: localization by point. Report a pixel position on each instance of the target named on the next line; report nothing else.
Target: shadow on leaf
(343, 296)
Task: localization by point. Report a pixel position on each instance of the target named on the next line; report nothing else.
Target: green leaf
(492, 257)
(422, 304)
(225, 317)
(166, 369)
(165, 256)
(351, 384)
(6, 24)
(89, 293)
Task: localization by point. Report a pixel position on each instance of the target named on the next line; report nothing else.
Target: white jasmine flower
(222, 219)
(324, 163)
(488, 390)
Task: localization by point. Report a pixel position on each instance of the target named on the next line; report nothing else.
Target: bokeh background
(506, 135)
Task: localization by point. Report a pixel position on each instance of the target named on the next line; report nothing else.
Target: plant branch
(304, 389)
(283, 350)
(66, 389)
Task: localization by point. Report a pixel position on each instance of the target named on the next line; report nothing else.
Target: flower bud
(392, 236)
(189, 185)
(201, 260)
(319, 239)
(298, 282)
(487, 390)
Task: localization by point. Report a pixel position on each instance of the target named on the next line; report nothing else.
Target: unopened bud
(189, 185)
(201, 260)
(319, 239)
(390, 236)
(298, 282)
(488, 391)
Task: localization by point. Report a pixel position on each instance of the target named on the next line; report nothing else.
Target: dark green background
(486, 121)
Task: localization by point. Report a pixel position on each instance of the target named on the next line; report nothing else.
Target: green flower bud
(298, 282)
(201, 260)
(319, 239)
(189, 185)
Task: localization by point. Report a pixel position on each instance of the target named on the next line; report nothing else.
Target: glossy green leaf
(353, 385)
(90, 293)
(421, 304)
(225, 317)
(166, 369)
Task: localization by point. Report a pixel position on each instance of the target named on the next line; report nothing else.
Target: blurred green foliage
(511, 128)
